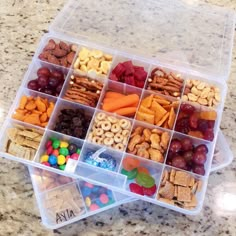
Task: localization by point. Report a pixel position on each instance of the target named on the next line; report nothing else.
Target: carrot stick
(121, 102)
(111, 94)
(127, 111)
(108, 100)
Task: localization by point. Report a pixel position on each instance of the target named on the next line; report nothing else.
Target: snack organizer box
(212, 69)
(50, 218)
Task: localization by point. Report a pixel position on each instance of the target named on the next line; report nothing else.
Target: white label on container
(71, 165)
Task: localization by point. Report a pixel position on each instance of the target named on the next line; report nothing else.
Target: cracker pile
(22, 142)
(63, 204)
(179, 188)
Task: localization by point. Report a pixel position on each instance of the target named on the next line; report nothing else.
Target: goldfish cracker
(30, 105)
(23, 102)
(43, 118)
(32, 119)
(18, 116)
(21, 111)
(40, 105)
(50, 109)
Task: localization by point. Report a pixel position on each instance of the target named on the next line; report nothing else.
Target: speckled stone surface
(22, 24)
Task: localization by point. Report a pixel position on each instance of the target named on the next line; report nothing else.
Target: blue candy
(52, 160)
(86, 191)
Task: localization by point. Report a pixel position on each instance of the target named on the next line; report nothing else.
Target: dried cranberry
(202, 125)
(182, 125)
(193, 121)
(208, 134)
(187, 108)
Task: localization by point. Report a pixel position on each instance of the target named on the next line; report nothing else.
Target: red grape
(43, 71)
(201, 148)
(33, 84)
(188, 155)
(193, 121)
(199, 158)
(179, 162)
(175, 145)
(187, 108)
(48, 91)
(59, 87)
(53, 82)
(57, 74)
(186, 144)
(208, 134)
(199, 169)
(42, 81)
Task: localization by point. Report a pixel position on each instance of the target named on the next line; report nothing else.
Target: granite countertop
(22, 24)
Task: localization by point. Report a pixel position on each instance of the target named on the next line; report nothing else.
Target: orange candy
(142, 169)
(130, 163)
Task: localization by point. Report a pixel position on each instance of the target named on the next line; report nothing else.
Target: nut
(192, 97)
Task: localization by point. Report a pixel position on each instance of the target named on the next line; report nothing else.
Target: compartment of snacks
(161, 111)
(63, 200)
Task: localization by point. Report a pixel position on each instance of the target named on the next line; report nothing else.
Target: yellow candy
(61, 160)
(64, 144)
(44, 158)
(88, 201)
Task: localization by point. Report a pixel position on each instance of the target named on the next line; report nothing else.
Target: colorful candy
(58, 152)
(145, 183)
(95, 196)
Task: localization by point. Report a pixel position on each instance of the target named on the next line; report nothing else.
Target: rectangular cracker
(182, 178)
(184, 194)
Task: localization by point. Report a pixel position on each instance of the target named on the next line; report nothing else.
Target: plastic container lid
(196, 37)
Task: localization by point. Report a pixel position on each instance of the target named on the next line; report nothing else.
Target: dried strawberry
(139, 73)
(182, 125)
(135, 188)
(129, 68)
(118, 70)
(50, 46)
(139, 84)
(113, 77)
(150, 191)
(129, 79)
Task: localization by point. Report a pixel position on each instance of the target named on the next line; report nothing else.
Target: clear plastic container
(206, 57)
(45, 182)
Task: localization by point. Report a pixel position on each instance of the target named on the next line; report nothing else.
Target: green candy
(130, 174)
(62, 167)
(145, 180)
(56, 143)
(78, 151)
(64, 151)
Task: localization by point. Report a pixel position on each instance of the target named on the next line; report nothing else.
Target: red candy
(150, 191)
(49, 143)
(135, 188)
(127, 73)
(104, 198)
(46, 163)
(88, 185)
(75, 156)
(49, 150)
(93, 207)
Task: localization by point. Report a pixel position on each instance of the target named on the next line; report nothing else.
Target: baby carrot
(121, 102)
(111, 94)
(107, 100)
(127, 111)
